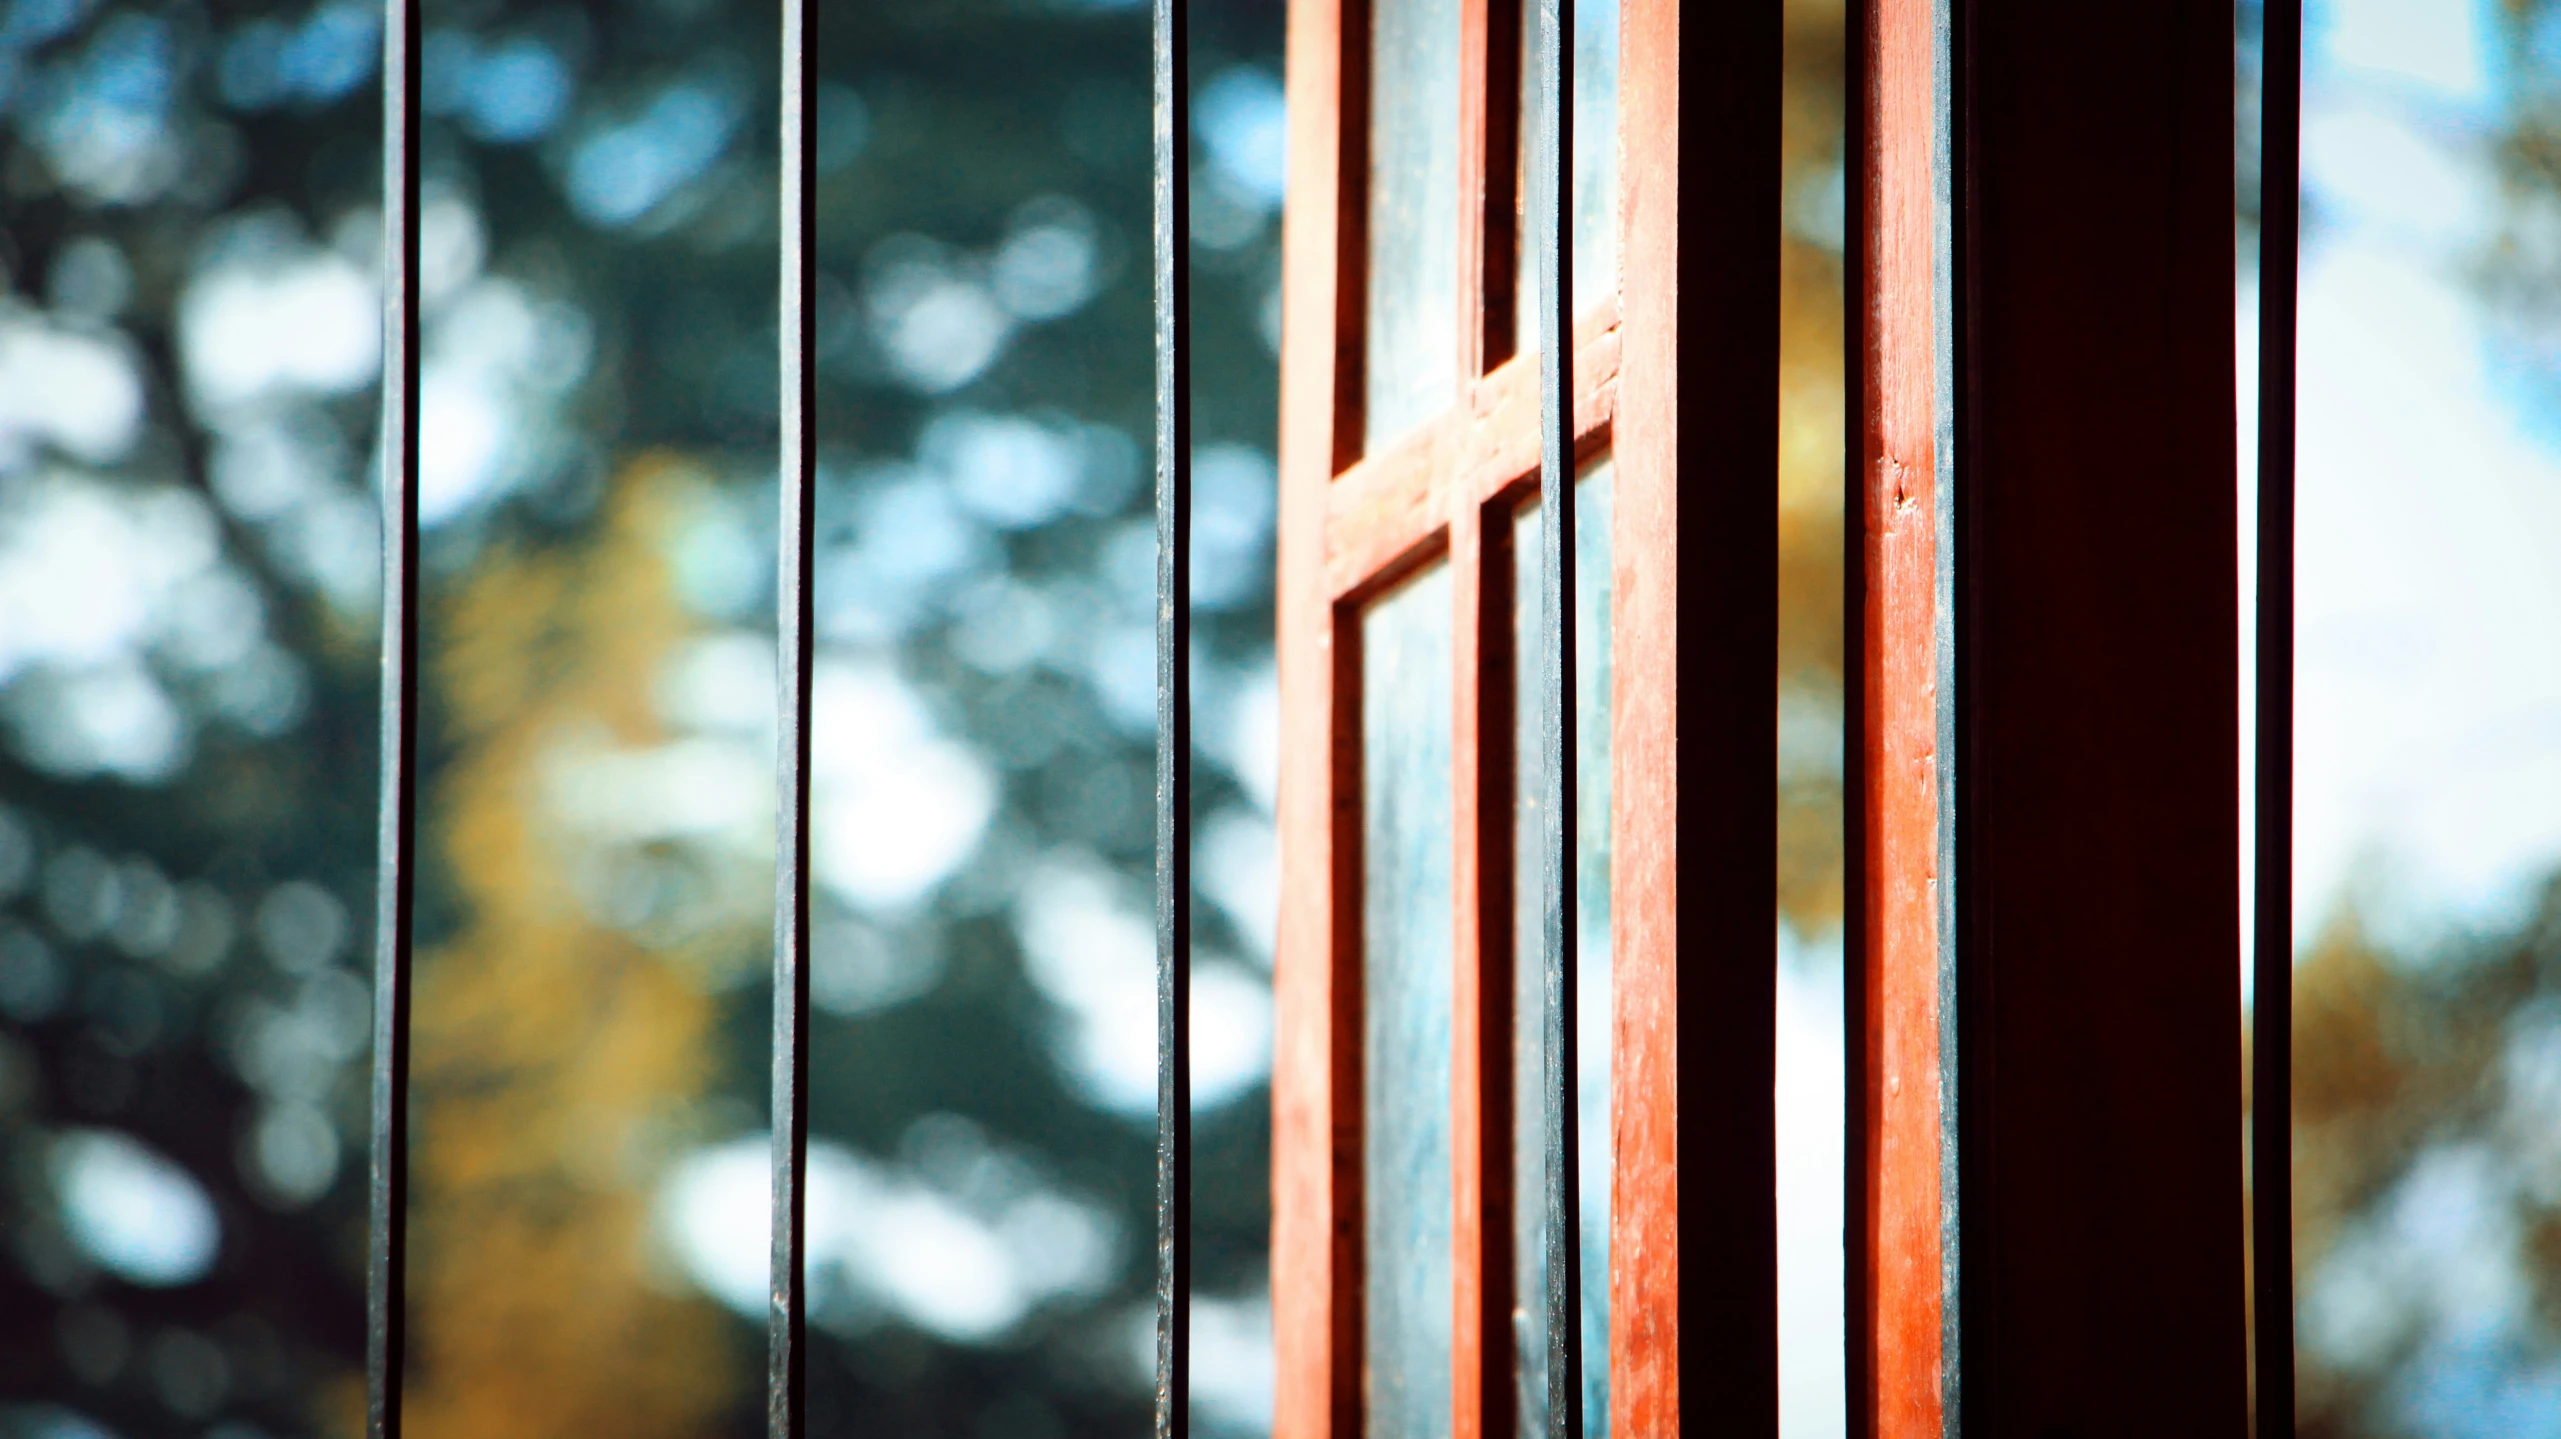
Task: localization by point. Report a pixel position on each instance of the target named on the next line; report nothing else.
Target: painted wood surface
(2049, 725)
(1908, 1244)
(2102, 1231)
(1678, 374)
(1315, 1201)
(1387, 507)
(1693, 1259)
(1481, 1033)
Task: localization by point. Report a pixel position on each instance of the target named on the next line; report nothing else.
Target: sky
(2428, 702)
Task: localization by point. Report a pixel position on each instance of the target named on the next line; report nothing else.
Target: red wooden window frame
(2047, 1196)
(1676, 375)
(2042, 821)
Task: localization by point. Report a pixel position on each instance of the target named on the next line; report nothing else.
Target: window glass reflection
(1405, 1001)
(1594, 222)
(1591, 698)
(1412, 328)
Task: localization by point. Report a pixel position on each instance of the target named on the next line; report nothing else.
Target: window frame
(2045, 1189)
(1353, 523)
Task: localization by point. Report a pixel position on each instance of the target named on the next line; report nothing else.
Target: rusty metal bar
(1173, 722)
(1549, 211)
(786, 1375)
(387, 1229)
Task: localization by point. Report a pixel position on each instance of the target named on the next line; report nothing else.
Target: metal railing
(1173, 295)
(786, 1410)
(1547, 209)
(386, 1242)
(787, 1315)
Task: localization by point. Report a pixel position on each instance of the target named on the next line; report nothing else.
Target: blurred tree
(1810, 476)
(2427, 1064)
(558, 1061)
(2427, 1094)
(187, 360)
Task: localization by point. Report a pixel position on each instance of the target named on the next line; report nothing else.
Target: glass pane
(1592, 976)
(2427, 821)
(1595, 200)
(1405, 978)
(1412, 364)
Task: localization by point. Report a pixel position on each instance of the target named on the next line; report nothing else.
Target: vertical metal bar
(1549, 213)
(786, 1374)
(2272, 946)
(1173, 724)
(387, 1230)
